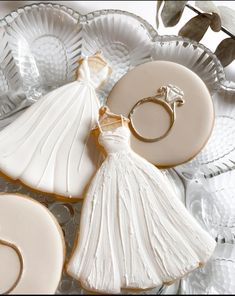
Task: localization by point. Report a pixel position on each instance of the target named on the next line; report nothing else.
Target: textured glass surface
(45, 43)
(12, 97)
(218, 156)
(41, 44)
(46, 40)
(218, 208)
(191, 54)
(217, 277)
(212, 202)
(123, 40)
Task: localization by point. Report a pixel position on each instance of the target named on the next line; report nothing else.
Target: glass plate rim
(223, 82)
(79, 17)
(220, 73)
(22, 9)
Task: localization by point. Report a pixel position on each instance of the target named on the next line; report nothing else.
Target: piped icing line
(49, 147)
(134, 232)
(21, 261)
(15, 212)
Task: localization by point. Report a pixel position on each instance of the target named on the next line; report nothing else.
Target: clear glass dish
(43, 42)
(218, 156)
(217, 277)
(192, 55)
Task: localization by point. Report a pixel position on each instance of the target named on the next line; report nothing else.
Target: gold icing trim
(169, 97)
(20, 257)
(6, 194)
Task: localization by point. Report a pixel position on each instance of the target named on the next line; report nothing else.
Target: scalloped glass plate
(218, 156)
(44, 42)
(218, 208)
(211, 201)
(217, 277)
(124, 41)
(192, 55)
(12, 97)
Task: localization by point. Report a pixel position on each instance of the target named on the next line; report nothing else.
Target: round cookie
(193, 122)
(32, 248)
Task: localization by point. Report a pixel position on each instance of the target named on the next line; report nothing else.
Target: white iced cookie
(31, 247)
(134, 232)
(49, 147)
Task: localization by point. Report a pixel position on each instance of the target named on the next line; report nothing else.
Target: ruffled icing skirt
(134, 232)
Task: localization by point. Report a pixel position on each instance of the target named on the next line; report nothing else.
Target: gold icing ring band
(168, 97)
(18, 253)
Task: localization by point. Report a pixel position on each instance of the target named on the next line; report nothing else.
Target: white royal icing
(134, 232)
(49, 146)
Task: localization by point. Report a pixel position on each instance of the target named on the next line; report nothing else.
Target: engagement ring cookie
(170, 110)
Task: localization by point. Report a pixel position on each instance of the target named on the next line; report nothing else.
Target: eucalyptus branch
(198, 12)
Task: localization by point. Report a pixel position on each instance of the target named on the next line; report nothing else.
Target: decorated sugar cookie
(134, 232)
(31, 247)
(49, 147)
(170, 109)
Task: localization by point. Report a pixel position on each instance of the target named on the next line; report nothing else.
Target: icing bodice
(87, 75)
(116, 140)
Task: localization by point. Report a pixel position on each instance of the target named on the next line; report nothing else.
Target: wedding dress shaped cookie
(134, 232)
(49, 146)
(31, 247)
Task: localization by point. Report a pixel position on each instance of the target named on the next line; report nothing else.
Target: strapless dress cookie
(32, 248)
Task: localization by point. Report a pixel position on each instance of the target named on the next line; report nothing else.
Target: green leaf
(172, 12)
(159, 4)
(215, 22)
(196, 27)
(225, 51)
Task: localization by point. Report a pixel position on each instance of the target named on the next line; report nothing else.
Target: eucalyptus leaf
(227, 18)
(159, 4)
(207, 6)
(172, 12)
(226, 51)
(215, 22)
(196, 27)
